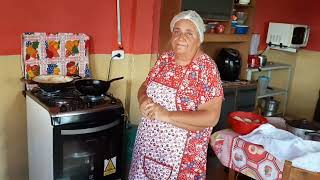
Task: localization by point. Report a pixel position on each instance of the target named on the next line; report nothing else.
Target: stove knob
(81, 106)
(63, 108)
(89, 105)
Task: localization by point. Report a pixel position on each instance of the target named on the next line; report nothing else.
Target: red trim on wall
(95, 18)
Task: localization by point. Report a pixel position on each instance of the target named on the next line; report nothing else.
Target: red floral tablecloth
(244, 157)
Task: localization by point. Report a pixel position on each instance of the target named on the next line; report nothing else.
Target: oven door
(88, 151)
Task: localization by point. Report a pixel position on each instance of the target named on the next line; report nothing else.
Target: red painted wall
(139, 21)
(288, 11)
(95, 18)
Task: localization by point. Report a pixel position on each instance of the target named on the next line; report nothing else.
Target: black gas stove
(80, 135)
(69, 103)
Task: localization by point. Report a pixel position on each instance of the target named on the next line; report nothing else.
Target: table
(244, 157)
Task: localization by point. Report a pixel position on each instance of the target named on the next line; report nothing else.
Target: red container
(219, 28)
(253, 61)
(242, 127)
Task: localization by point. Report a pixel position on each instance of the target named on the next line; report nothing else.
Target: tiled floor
(216, 171)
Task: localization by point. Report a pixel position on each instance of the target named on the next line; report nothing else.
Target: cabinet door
(246, 99)
(228, 105)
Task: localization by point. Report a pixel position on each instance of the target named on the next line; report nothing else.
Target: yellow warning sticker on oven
(110, 166)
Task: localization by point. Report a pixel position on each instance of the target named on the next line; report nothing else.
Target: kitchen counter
(239, 84)
(238, 96)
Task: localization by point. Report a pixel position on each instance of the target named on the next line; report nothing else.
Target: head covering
(193, 17)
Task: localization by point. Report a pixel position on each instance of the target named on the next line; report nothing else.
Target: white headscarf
(194, 17)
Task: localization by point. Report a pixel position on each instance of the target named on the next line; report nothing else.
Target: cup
(263, 82)
(253, 61)
(212, 26)
(219, 28)
(244, 2)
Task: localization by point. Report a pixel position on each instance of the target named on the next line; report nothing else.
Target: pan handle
(314, 133)
(115, 79)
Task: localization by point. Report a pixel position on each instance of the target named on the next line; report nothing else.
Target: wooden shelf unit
(212, 37)
(212, 42)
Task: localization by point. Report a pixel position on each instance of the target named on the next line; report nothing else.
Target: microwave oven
(288, 35)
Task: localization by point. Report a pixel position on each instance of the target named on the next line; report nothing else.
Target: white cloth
(284, 145)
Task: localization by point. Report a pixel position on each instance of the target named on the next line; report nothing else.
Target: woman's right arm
(145, 103)
(142, 94)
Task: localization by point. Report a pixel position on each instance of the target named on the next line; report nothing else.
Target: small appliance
(229, 64)
(288, 35)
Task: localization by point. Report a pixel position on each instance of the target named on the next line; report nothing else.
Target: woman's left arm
(207, 115)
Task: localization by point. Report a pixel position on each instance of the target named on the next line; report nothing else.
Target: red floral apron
(164, 151)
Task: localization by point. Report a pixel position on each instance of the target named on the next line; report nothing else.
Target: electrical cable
(116, 55)
(263, 50)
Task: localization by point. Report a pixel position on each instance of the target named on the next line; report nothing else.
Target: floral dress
(164, 151)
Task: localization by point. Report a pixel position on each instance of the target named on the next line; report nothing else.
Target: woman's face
(185, 38)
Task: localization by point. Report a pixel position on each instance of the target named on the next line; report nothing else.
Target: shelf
(212, 37)
(277, 114)
(269, 67)
(272, 92)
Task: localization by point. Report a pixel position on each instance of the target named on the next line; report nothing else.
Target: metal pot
(305, 129)
(263, 60)
(271, 105)
(94, 87)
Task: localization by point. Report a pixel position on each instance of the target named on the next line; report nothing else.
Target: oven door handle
(90, 130)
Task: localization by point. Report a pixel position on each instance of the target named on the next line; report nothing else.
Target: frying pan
(51, 83)
(94, 87)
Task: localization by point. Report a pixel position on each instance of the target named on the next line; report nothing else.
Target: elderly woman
(180, 102)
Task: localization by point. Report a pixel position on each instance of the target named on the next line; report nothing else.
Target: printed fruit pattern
(52, 48)
(31, 50)
(32, 71)
(267, 171)
(87, 72)
(72, 68)
(53, 69)
(72, 48)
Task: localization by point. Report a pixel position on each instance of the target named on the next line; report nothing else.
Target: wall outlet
(117, 54)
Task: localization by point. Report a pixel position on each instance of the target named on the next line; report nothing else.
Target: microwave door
(300, 35)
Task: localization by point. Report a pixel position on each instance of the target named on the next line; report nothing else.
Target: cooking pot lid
(304, 124)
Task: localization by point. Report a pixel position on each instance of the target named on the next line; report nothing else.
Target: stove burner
(52, 94)
(72, 100)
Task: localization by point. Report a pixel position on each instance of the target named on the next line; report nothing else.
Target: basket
(242, 127)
